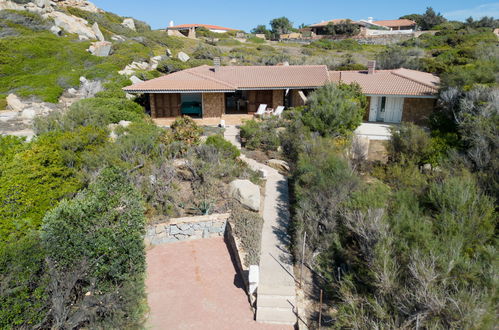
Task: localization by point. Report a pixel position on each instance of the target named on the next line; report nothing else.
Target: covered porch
(229, 119)
(211, 107)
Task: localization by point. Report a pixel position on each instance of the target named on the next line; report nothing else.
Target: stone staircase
(276, 305)
(276, 295)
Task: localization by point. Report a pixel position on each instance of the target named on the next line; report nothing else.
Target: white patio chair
(262, 109)
(278, 111)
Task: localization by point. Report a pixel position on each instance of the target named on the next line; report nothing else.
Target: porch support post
(152, 101)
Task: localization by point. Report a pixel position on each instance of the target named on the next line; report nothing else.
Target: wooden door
(373, 109)
(394, 108)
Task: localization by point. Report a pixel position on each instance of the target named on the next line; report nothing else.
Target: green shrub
(98, 112)
(174, 64)
(39, 176)
(265, 48)
(186, 130)
(335, 110)
(94, 243)
(261, 134)
(24, 300)
(256, 40)
(413, 143)
(248, 228)
(228, 42)
(224, 146)
(347, 44)
(206, 52)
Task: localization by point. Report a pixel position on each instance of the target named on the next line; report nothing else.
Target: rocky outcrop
(81, 4)
(72, 24)
(247, 193)
(278, 164)
(129, 23)
(135, 80)
(153, 63)
(98, 32)
(45, 6)
(183, 57)
(100, 48)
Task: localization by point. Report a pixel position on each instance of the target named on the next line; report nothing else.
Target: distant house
(189, 30)
(217, 91)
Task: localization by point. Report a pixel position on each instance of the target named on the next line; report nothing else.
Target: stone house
(217, 91)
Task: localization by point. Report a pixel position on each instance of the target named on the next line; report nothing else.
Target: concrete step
(280, 302)
(275, 316)
(268, 290)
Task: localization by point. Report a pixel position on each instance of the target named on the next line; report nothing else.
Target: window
(383, 104)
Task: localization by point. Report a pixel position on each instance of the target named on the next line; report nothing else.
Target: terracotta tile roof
(207, 26)
(227, 78)
(390, 82)
(395, 22)
(232, 78)
(334, 21)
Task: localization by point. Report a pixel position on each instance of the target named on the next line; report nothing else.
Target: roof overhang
(172, 91)
(406, 96)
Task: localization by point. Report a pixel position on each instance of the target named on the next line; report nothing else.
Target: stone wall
(237, 256)
(418, 110)
(189, 228)
(213, 105)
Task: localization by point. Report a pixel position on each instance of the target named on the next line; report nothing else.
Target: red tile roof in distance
(402, 82)
(396, 22)
(207, 26)
(333, 21)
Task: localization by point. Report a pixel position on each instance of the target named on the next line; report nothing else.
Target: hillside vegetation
(403, 244)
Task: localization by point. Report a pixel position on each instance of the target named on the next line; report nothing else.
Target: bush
(224, 146)
(206, 52)
(256, 40)
(39, 176)
(248, 228)
(335, 110)
(98, 112)
(261, 134)
(96, 255)
(24, 300)
(186, 130)
(171, 65)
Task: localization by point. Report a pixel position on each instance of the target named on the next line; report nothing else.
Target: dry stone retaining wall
(189, 228)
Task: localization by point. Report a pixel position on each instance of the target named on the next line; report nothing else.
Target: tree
(484, 22)
(281, 25)
(335, 110)
(95, 255)
(418, 18)
(430, 19)
(261, 29)
(345, 28)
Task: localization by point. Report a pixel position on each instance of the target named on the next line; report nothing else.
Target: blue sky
(247, 14)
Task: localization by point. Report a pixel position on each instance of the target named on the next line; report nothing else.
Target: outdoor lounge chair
(278, 111)
(262, 110)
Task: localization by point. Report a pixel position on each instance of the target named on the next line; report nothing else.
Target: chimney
(171, 24)
(216, 64)
(371, 67)
(370, 19)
